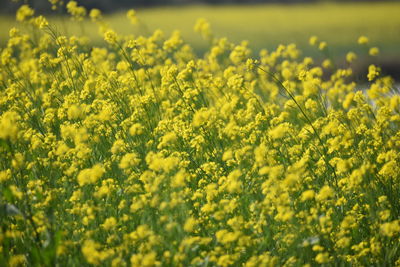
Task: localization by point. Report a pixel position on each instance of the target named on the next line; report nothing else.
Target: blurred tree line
(43, 6)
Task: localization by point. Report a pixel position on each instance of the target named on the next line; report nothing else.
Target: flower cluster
(142, 153)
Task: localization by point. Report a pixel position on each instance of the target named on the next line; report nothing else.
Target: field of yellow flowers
(141, 153)
(264, 26)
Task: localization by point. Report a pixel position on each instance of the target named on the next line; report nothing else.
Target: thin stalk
(307, 119)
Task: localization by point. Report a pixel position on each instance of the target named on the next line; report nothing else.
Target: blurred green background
(263, 25)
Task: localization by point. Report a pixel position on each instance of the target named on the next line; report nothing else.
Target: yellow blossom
(8, 125)
(313, 40)
(109, 223)
(325, 193)
(373, 72)
(129, 160)
(279, 131)
(92, 253)
(95, 14)
(322, 257)
(110, 37)
(24, 12)
(136, 129)
(390, 228)
(90, 175)
(307, 195)
(362, 40)
(17, 260)
(131, 15)
(190, 224)
(351, 56)
(373, 51)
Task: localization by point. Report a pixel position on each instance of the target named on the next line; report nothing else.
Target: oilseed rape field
(264, 26)
(139, 152)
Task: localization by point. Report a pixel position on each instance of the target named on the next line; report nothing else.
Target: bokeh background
(264, 23)
(112, 5)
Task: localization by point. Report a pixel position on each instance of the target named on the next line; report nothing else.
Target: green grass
(264, 26)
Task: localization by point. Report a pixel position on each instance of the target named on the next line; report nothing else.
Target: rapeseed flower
(145, 153)
(90, 175)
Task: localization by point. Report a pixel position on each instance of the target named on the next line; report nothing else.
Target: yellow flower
(167, 139)
(313, 40)
(201, 117)
(95, 14)
(239, 54)
(75, 112)
(322, 45)
(5, 175)
(90, 252)
(373, 72)
(110, 37)
(227, 155)
(90, 175)
(225, 237)
(136, 129)
(325, 193)
(279, 131)
(190, 224)
(343, 242)
(384, 215)
(363, 40)
(109, 223)
(179, 179)
(18, 161)
(322, 257)
(17, 260)
(373, 51)
(118, 146)
(8, 125)
(131, 15)
(251, 64)
(24, 12)
(129, 160)
(41, 22)
(390, 229)
(286, 73)
(327, 63)
(233, 185)
(116, 262)
(150, 259)
(225, 260)
(389, 169)
(157, 162)
(351, 56)
(307, 195)
(302, 75)
(202, 26)
(146, 260)
(78, 12)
